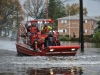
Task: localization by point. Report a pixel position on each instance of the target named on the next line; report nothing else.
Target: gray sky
(93, 6)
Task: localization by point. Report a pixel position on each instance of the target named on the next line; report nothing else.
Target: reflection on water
(78, 65)
(86, 44)
(56, 71)
(90, 70)
(46, 71)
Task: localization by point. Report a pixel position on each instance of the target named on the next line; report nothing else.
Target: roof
(76, 17)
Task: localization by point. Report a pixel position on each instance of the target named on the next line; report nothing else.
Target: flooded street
(11, 64)
(7, 48)
(7, 45)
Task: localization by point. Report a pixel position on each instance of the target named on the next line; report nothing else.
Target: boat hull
(49, 51)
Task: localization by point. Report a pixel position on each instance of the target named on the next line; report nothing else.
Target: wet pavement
(11, 64)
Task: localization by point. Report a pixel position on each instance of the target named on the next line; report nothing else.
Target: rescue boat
(36, 43)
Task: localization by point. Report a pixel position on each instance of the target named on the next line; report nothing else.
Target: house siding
(74, 27)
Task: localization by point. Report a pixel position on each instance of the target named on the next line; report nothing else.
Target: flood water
(87, 63)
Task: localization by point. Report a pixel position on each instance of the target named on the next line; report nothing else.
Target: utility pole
(69, 23)
(81, 26)
(17, 14)
(46, 9)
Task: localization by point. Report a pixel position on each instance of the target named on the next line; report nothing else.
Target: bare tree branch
(34, 7)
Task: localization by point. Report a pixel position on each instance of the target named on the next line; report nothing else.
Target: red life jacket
(33, 30)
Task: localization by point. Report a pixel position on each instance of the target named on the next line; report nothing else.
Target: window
(85, 21)
(92, 22)
(60, 30)
(63, 21)
(85, 30)
(64, 31)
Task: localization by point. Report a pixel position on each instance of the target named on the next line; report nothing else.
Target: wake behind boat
(37, 38)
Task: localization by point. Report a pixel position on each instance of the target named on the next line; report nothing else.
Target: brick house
(70, 25)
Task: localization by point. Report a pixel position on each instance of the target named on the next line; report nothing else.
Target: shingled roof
(76, 17)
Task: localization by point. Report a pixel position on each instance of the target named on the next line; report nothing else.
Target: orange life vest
(33, 30)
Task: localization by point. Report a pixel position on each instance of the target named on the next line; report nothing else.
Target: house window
(85, 30)
(60, 30)
(92, 22)
(85, 21)
(64, 31)
(63, 21)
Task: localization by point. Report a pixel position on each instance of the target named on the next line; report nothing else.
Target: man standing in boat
(33, 34)
(46, 29)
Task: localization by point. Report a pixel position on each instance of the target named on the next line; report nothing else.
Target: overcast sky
(93, 6)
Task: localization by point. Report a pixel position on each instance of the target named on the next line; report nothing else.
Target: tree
(74, 9)
(98, 27)
(98, 23)
(35, 8)
(97, 37)
(8, 12)
(56, 9)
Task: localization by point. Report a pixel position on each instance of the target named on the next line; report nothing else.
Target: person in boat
(28, 34)
(56, 36)
(46, 29)
(23, 32)
(34, 35)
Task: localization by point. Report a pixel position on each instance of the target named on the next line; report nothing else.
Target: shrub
(63, 38)
(97, 37)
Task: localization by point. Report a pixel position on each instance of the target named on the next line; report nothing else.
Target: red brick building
(70, 25)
